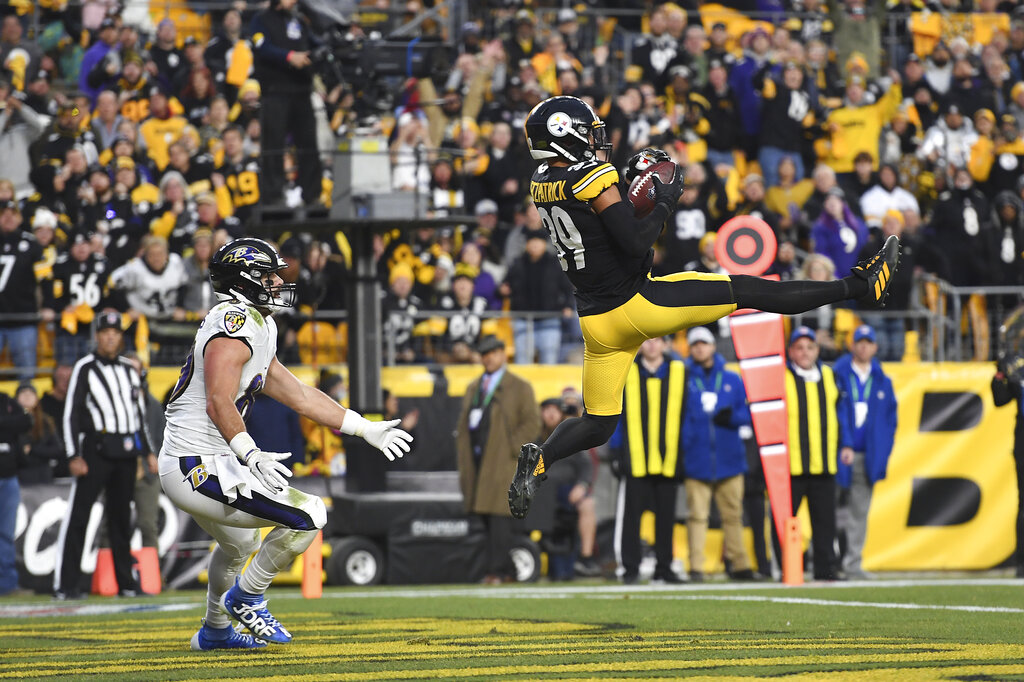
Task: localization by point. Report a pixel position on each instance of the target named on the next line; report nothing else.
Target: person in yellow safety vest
(811, 397)
(650, 465)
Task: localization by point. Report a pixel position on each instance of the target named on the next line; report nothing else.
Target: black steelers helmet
(237, 271)
(565, 128)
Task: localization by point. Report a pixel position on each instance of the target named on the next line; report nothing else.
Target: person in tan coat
(498, 413)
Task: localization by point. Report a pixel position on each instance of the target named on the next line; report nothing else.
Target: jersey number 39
(564, 236)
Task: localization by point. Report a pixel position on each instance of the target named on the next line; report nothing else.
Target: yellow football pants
(663, 306)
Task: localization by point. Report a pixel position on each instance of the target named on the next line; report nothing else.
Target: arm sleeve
(147, 437)
(634, 235)
(844, 409)
(262, 47)
(74, 405)
(34, 120)
(741, 411)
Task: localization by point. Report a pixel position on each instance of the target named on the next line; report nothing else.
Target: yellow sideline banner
(949, 499)
(948, 502)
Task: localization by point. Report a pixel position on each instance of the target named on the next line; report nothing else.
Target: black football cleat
(529, 474)
(878, 272)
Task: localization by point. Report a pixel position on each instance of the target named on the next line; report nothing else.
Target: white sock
(222, 571)
(276, 554)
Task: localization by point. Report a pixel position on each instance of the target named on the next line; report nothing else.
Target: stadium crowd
(131, 147)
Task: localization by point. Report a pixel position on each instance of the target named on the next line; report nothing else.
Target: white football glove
(267, 468)
(393, 442)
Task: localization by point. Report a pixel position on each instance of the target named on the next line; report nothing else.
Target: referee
(105, 433)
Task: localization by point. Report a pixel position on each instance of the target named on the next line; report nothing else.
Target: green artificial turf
(909, 630)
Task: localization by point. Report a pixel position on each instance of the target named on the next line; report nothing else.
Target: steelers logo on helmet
(559, 124)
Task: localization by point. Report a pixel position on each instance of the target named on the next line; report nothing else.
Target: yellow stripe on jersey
(595, 182)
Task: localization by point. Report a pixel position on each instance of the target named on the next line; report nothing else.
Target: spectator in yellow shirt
(161, 129)
(857, 126)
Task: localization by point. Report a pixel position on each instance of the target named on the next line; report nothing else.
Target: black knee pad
(603, 425)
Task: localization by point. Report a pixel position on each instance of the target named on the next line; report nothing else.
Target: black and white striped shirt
(106, 398)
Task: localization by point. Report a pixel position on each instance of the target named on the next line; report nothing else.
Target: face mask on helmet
(268, 295)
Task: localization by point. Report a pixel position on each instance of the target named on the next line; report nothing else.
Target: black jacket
(13, 422)
(275, 33)
(539, 286)
(1005, 390)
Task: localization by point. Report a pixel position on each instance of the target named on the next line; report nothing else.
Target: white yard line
(541, 591)
(824, 602)
(55, 609)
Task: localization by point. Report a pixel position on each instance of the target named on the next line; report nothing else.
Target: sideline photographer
(282, 41)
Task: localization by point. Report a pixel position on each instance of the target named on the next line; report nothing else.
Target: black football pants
(283, 115)
(820, 491)
(117, 477)
(658, 493)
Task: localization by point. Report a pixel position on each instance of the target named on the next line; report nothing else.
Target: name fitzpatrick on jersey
(548, 191)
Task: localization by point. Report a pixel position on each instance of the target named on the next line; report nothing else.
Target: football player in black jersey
(606, 253)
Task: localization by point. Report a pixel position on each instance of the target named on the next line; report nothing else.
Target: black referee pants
(117, 477)
(820, 491)
(283, 113)
(657, 493)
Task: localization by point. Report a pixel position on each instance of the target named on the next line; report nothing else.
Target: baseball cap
(124, 162)
(44, 217)
(680, 71)
(108, 22)
(836, 192)
(485, 207)
(536, 234)
(79, 237)
(464, 270)
(802, 332)
(700, 335)
(865, 331)
(109, 320)
(566, 14)
(488, 344)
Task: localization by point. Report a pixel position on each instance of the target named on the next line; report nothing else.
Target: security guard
(811, 397)
(282, 41)
(651, 462)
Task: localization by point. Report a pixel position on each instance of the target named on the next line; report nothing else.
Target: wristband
(354, 424)
(243, 446)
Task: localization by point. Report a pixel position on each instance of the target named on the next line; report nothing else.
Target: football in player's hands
(642, 191)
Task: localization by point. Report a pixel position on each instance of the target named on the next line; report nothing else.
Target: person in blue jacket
(715, 458)
(867, 428)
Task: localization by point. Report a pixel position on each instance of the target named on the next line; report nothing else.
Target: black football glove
(642, 160)
(668, 193)
(723, 417)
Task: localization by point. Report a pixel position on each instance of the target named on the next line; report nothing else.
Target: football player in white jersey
(212, 469)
